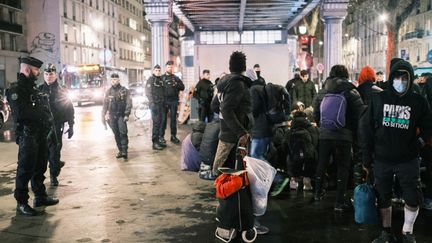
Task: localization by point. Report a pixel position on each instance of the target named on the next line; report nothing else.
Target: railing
(12, 3)
(6, 26)
(415, 34)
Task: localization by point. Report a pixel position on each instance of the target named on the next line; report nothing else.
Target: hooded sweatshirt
(387, 130)
(235, 107)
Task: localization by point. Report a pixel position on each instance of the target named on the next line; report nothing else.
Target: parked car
(5, 111)
(136, 89)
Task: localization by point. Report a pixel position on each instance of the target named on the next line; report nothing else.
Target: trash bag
(261, 175)
(365, 209)
(190, 159)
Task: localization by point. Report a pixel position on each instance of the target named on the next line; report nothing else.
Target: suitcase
(235, 213)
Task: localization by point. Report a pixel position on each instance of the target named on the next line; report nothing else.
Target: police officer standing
(172, 86)
(204, 94)
(63, 111)
(155, 94)
(32, 118)
(117, 107)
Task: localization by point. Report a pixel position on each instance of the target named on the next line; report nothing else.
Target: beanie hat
(237, 62)
(367, 74)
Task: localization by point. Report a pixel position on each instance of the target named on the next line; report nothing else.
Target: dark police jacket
(154, 90)
(28, 109)
(173, 85)
(61, 106)
(204, 91)
(117, 102)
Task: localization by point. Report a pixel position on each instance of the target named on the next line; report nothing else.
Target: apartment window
(83, 15)
(12, 17)
(65, 32)
(75, 56)
(13, 44)
(2, 41)
(91, 3)
(75, 34)
(83, 38)
(65, 8)
(73, 11)
(97, 4)
(103, 6)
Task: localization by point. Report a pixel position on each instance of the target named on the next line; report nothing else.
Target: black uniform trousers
(32, 164)
(54, 150)
(205, 112)
(158, 115)
(170, 106)
(119, 128)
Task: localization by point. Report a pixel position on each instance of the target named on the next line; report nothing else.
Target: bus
(88, 83)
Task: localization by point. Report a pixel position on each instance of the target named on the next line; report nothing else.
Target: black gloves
(70, 132)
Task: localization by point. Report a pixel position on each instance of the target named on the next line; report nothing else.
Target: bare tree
(397, 12)
(311, 21)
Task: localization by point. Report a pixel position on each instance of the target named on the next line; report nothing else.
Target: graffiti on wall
(43, 42)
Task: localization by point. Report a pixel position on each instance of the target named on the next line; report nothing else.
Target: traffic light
(305, 43)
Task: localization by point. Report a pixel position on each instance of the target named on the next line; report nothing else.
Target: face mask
(399, 85)
(258, 73)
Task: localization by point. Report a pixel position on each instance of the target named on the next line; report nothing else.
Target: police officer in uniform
(117, 107)
(172, 86)
(155, 94)
(63, 111)
(32, 118)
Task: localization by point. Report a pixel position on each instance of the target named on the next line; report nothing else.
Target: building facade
(365, 39)
(416, 36)
(12, 40)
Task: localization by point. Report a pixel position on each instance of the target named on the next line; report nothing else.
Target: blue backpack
(332, 111)
(365, 210)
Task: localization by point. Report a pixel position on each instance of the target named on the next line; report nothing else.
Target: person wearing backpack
(302, 144)
(304, 91)
(337, 110)
(390, 141)
(204, 94)
(262, 129)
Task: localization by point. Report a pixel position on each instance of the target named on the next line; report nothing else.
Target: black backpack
(300, 144)
(278, 103)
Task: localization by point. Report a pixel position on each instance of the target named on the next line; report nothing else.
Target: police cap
(169, 63)
(31, 61)
(115, 75)
(157, 66)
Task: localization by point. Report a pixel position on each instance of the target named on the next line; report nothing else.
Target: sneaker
(307, 184)
(408, 238)
(343, 208)
(279, 187)
(293, 184)
(225, 235)
(119, 155)
(260, 229)
(427, 203)
(385, 237)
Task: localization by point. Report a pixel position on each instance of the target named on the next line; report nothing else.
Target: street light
(383, 17)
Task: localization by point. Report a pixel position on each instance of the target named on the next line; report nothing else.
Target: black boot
(175, 140)
(162, 142)
(54, 181)
(119, 155)
(319, 192)
(44, 201)
(157, 146)
(25, 209)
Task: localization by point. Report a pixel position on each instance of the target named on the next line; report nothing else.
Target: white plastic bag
(261, 175)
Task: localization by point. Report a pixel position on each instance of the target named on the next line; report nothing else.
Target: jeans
(259, 147)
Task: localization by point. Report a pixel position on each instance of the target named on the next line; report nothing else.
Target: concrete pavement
(148, 198)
